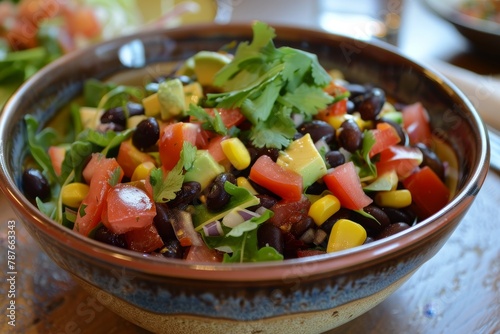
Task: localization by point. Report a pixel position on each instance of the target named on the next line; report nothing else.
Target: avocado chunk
(171, 97)
(302, 157)
(207, 64)
(204, 169)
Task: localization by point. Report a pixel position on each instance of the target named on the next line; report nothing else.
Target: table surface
(457, 291)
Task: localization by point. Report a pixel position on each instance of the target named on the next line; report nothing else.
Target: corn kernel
(393, 199)
(345, 234)
(72, 194)
(236, 153)
(244, 183)
(142, 171)
(324, 208)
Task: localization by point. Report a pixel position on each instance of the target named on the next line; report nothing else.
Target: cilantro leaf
(209, 122)
(165, 188)
(262, 79)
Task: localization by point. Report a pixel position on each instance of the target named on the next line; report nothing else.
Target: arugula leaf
(209, 122)
(107, 140)
(165, 188)
(263, 79)
(75, 158)
(242, 240)
(240, 198)
(119, 96)
(39, 143)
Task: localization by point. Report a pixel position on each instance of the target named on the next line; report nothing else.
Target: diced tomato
(215, 149)
(127, 208)
(129, 157)
(144, 239)
(402, 159)
(429, 193)
(283, 182)
(416, 123)
(338, 108)
(172, 138)
(90, 211)
(385, 135)
(344, 183)
(230, 117)
(56, 154)
(203, 254)
(288, 213)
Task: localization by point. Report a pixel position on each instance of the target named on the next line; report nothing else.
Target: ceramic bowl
(307, 295)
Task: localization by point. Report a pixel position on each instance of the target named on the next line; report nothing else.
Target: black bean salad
(255, 155)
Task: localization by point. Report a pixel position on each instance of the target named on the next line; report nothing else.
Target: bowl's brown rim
(329, 264)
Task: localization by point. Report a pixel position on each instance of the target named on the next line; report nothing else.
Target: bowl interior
(453, 118)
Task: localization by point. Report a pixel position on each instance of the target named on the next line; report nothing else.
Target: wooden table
(457, 291)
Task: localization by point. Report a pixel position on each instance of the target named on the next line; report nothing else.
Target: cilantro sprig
(166, 187)
(270, 84)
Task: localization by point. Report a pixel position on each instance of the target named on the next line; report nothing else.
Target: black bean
(350, 137)
(188, 193)
(104, 235)
(317, 188)
(356, 90)
(35, 184)
(372, 104)
(162, 222)
(341, 214)
(350, 106)
(146, 134)
(266, 200)
(398, 216)
(172, 249)
(217, 197)
(115, 116)
(334, 158)
(431, 160)
(317, 130)
(270, 235)
(135, 109)
(301, 226)
(372, 226)
(271, 152)
(391, 230)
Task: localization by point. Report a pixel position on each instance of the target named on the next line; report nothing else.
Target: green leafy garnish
(269, 84)
(240, 198)
(39, 143)
(242, 240)
(361, 158)
(165, 188)
(212, 123)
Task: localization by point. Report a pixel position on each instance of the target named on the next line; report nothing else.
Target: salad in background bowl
(33, 33)
(299, 294)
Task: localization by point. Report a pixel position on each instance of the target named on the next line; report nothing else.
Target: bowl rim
(339, 262)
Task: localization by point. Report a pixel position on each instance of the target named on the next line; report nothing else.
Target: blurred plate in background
(482, 33)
